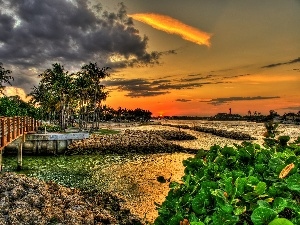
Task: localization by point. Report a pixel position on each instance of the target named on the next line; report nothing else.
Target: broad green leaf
(279, 204)
(221, 218)
(175, 220)
(237, 174)
(228, 151)
(193, 218)
(263, 203)
(227, 208)
(249, 197)
(240, 184)
(294, 205)
(293, 182)
(229, 185)
(197, 223)
(281, 221)
(252, 180)
(260, 167)
(239, 210)
(262, 215)
(200, 202)
(276, 165)
(260, 188)
(295, 220)
(209, 185)
(219, 194)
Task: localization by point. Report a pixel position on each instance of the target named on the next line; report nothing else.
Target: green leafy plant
(281, 221)
(270, 134)
(50, 128)
(244, 184)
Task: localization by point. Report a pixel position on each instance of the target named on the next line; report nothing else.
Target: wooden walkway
(12, 128)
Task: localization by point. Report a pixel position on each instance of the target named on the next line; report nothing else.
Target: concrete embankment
(45, 144)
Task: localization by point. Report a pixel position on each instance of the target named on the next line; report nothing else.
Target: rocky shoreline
(25, 200)
(132, 141)
(218, 132)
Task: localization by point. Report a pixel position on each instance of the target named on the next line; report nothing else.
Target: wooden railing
(13, 127)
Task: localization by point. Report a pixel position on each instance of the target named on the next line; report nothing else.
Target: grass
(106, 131)
(70, 171)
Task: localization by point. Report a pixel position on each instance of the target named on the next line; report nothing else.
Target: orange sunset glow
(173, 26)
(195, 58)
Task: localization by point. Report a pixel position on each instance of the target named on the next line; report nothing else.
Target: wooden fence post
(20, 153)
(0, 161)
(3, 136)
(8, 131)
(18, 126)
(1, 141)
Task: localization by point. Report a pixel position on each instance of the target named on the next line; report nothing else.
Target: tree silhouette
(4, 77)
(95, 90)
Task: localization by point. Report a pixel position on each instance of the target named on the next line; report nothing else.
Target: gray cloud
(141, 87)
(146, 93)
(236, 76)
(145, 87)
(297, 108)
(38, 33)
(194, 78)
(220, 101)
(283, 63)
(183, 100)
(194, 75)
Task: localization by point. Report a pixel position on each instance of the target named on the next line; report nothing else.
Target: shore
(137, 180)
(141, 187)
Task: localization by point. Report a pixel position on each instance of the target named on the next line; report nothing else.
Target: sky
(171, 57)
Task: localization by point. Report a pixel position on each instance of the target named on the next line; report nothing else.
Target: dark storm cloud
(146, 93)
(236, 76)
(283, 63)
(25, 82)
(37, 33)
(141, 87)
(183, 100)
(162, 81)
(144, 88)
(194, 75)
(194, 78)
(219, 101)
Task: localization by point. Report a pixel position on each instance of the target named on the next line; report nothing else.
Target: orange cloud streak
(173, 26)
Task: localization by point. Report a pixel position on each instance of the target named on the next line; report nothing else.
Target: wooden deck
(12, 128)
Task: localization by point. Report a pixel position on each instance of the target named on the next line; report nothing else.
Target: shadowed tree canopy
(4, 77)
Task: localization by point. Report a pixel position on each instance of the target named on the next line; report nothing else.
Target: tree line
(65, 98)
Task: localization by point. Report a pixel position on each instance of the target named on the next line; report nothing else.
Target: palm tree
(95, 90)
(82, 86)
(4, 77)
(54, 92)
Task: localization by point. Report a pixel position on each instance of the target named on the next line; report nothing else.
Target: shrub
(244, 184)
(50, 128)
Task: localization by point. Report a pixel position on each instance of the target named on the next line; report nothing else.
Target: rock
(32, 201)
